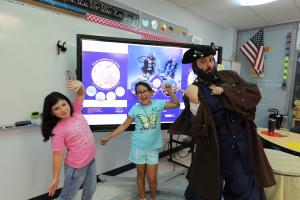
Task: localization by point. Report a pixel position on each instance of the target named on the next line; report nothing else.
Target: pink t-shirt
(75, 134)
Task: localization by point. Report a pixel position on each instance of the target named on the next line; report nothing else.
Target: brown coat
(241, 97)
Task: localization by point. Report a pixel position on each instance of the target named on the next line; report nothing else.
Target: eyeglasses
(142, 93)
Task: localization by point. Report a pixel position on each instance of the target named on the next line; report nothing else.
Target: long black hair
(49, 120)
(143, 83)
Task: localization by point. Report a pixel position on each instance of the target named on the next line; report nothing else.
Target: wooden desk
(289, 144)
(286, 168)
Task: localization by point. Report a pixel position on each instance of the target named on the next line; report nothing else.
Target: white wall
(173, 13)
(29, 60)
(229, 44)
(298, 38)
(25, 159)
(208, 32)
(28, 37)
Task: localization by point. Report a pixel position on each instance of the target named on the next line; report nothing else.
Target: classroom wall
(30, 69)
(196, 26)
(30, 33)
(270, 85)
(163, 9)
(229, 44)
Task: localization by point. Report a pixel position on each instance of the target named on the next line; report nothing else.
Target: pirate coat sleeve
(239, 96)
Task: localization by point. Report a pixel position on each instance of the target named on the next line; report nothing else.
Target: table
(286, 168)
(296, 122)
(188, 143)
(289, 144)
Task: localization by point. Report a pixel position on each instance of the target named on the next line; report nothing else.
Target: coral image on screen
(150, 61)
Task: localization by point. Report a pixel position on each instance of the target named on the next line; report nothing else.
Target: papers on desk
(273, 134)
(293, 145)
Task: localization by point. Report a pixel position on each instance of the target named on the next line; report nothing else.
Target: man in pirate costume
(219, 113)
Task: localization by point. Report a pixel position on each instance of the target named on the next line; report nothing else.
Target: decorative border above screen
(117, 15)
(163, 27)
(146, 35)
(107, 9)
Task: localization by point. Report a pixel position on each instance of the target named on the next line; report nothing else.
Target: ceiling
(229, 14)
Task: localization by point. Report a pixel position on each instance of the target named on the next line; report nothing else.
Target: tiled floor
(171, 182)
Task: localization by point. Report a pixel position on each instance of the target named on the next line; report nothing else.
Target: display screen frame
(79, 70)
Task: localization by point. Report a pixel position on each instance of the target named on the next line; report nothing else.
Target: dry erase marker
(9, 126)
(68, 75)
(23, 123)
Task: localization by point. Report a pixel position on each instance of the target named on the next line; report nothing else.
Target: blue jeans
(74, 178)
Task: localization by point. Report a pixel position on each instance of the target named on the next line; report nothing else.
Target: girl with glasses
(146, 140)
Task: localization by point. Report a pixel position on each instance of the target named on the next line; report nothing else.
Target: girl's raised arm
(174, 100)
(78, 87)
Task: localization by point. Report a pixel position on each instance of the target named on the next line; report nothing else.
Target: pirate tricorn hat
(198, 52)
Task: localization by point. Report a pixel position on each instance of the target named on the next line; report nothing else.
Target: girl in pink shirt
(70, 133)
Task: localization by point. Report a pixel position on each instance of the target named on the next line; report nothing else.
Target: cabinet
(296, 122)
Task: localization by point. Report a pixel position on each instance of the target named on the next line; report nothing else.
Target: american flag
(253, 50)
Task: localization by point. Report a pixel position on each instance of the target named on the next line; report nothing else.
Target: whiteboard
(30, 66)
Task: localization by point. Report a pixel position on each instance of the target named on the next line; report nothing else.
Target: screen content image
(109, 68)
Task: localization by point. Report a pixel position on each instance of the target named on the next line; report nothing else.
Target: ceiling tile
(274, 6)
(226, 24)
(241, 12)
(278, 11)
(247, 22)
(199, 10)
(212, 6)
(298, 4)
(184, 3)
(226, 13)
(214, 18)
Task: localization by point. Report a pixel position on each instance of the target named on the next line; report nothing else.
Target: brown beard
(206, 77)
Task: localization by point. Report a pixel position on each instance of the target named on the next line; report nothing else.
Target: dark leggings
(240, 186)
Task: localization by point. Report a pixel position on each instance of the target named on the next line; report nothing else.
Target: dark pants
(239, 186)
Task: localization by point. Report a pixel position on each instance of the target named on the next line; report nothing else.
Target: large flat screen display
(109, 68)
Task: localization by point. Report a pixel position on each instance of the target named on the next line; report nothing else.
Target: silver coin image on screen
(106, 74)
